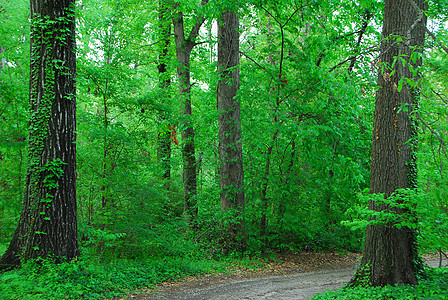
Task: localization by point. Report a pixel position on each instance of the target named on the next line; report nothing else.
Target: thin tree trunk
(104, 174)
(184, 46)
(183, 51)
(390, 253)
(264, 186)
(229, 122)
(164, 141)
(48, 221)
(282, 206)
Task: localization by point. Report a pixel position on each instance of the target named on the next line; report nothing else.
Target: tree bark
(184, 46)
(229, 124)
(48, 221)
(390, 253)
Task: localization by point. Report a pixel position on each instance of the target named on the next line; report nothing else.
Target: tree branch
(418, 20)
(322, 55)
(440, 96)
(367, 18)
(371, 49)
(435, 133)
(253, 60)
(435, 40)
(197, 26)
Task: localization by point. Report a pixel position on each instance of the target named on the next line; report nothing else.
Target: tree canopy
(196, 119)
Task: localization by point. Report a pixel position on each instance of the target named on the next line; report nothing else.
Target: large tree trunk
(230, 147)
(390, 253)
(48, 224)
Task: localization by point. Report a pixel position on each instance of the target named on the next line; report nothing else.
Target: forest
(146, 141)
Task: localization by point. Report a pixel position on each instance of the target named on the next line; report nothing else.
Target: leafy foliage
(81, 279)
(14, 67)
(308, 72)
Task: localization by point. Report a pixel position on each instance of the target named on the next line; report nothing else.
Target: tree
(48, 221)
(184, 46)
(164, 141)
(390, 251)
(230, 147)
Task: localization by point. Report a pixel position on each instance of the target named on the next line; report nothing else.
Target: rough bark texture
(184, 46)
(48, 223)
(390, 254)
(229, 120)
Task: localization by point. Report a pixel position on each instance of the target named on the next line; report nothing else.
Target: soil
(290, 276)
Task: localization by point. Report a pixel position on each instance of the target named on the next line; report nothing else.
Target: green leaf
(400, 84)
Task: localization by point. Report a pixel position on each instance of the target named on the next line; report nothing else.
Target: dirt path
(287, 287)
(331, 272)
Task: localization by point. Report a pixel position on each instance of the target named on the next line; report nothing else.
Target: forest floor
(290, 276)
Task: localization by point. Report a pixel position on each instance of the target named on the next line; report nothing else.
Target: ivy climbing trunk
(229, 127)
(48, 224)
(184, 46)
(390, 253)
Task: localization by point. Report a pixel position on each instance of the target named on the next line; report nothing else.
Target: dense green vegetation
(96, 280)
(308, 74)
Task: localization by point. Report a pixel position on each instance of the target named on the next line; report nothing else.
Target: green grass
(83, 279)
(434, 287)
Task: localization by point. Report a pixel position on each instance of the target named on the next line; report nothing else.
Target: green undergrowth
(434, 287)
(85, 279)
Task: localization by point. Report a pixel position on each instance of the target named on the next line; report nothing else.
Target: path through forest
(329, 272)
(292, 286)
